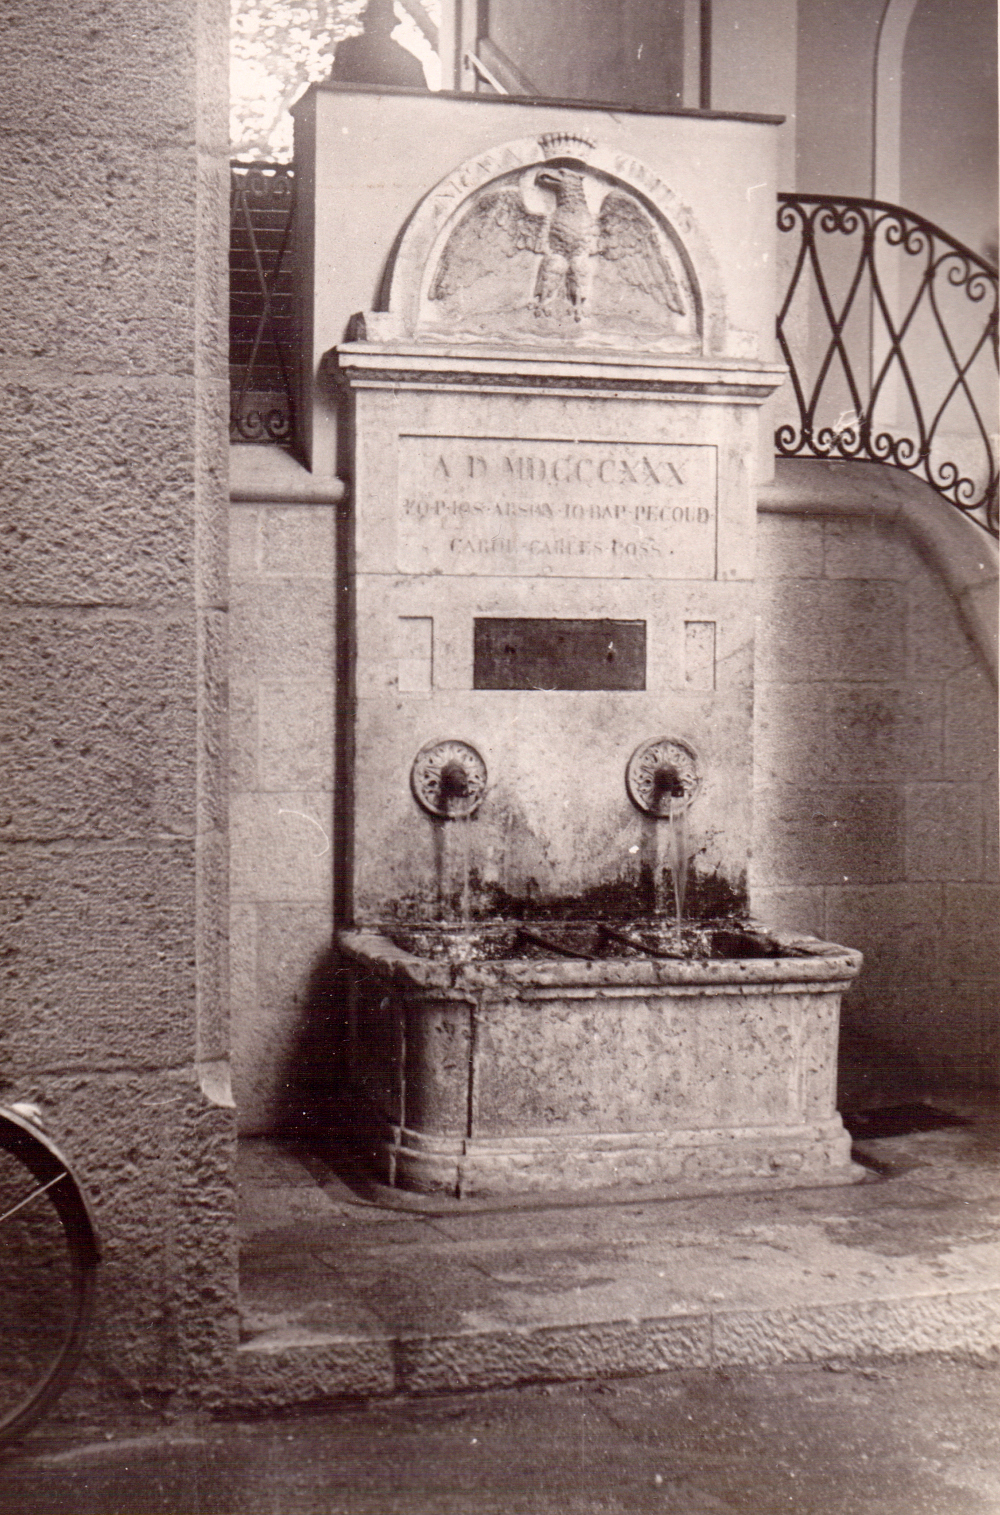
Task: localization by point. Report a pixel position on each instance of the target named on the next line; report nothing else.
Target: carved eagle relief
(573, 236)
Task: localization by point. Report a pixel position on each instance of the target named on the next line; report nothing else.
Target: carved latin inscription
(486, 505)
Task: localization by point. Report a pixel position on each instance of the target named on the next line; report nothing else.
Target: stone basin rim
(810, 961)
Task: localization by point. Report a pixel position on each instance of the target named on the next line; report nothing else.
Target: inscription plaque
(565, 508)
(528, 653)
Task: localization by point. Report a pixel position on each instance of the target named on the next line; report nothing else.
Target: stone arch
(887, 101)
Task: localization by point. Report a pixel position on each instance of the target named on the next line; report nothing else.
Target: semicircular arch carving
(555, 240)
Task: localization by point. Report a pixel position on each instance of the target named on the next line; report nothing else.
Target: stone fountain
(550, 431)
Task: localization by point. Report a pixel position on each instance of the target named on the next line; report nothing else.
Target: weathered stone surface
(862, 548)
(113, 452)
(880, 731)
(99, 957)
(941, 1322)
(281, 847)
(127, 71)
(837, 630)
(293, 1372)
(100, 499)
(282, 957)
(944, 831)
(475, 1361)
(296, 734)
(531, 1075)
(100, 724)
(991, 830)
(789, 547)
(936, 643)
(791, 733)
(282, 628)
(952, 1038)
(971, 943)
(970, 727)
(244, 541)
(829, 835)
(212, 951)
(281, 763)
(898, 927)
(119, 249)
(792, 909)
(243, 734)
(156, 1160)
(923, 735)
(297, 539)
(535, 832)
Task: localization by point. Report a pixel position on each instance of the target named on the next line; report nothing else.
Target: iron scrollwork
(889, 329)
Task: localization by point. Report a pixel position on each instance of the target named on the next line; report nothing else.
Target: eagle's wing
(627, 240)
(497, 224)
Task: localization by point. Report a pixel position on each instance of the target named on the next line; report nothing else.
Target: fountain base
(475, 1071)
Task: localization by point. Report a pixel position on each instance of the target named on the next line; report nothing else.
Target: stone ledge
(268, 475)
(289, 1371)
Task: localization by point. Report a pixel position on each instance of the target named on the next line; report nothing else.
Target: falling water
(459, 830)
(661, 861)
(679, 853)
(451, 865)
(670, 842)
(452, 844)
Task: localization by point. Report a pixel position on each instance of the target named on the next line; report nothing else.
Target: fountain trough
(549, 425)
(517, 1059)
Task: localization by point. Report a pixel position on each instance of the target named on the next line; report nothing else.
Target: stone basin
(530, 1057)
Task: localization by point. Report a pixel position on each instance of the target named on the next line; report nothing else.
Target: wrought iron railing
(261, 303)
(889, 329)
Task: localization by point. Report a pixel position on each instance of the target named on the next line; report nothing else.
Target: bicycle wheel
(48, 1263)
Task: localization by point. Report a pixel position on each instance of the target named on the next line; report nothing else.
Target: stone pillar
(113, 441)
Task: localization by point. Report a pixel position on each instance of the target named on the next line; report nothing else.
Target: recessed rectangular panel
(532, 653)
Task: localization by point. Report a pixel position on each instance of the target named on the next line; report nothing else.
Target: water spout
(453, 786)
(667, 785)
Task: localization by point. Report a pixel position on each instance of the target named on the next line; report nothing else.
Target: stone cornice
(380, 365)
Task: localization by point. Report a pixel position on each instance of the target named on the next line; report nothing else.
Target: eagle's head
(565, 183)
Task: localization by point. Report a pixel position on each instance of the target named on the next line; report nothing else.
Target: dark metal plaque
(551, 654)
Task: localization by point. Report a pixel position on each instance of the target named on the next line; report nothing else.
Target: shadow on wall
(875, 798)
(316, 1053)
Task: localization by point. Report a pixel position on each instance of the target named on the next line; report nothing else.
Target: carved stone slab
(487, 505)
(556, 239)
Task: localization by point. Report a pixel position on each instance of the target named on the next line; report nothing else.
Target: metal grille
(889, 330)
(261, 303)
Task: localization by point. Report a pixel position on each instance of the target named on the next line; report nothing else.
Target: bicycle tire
(48, 1267)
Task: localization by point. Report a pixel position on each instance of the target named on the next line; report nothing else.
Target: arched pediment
(556, 240)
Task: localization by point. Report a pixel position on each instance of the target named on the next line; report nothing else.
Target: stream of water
(451, 860)
(679, 853)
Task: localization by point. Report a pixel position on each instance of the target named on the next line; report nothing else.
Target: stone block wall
(282, 592)
(113, 396)
(875, 814)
